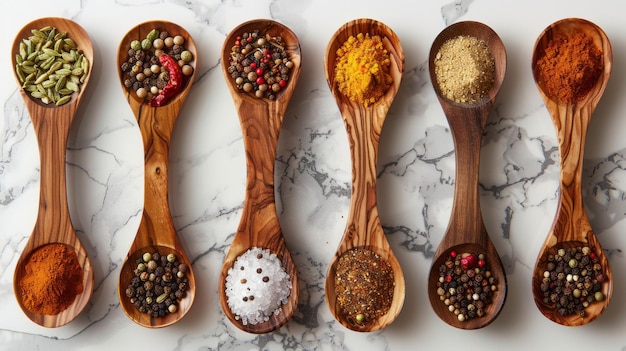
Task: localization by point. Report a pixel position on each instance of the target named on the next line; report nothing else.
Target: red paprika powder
(52, 279)
(569, 67)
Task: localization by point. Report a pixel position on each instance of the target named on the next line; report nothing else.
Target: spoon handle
(260, 124)
(571, 122)
(466, 224)
(363, 224)
(52, 127)
(156, 125)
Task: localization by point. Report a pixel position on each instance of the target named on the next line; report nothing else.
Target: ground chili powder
(52, 279)
(569, 67)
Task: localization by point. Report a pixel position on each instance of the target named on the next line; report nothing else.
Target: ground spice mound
(52, 279)
(362, 69)
(570, 67)
(465, 69)
(364, 284)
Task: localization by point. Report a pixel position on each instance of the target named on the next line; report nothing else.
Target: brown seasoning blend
(465, 69)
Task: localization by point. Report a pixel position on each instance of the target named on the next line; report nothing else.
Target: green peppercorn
(146, 44)
(147, 257)
(135, 45)
(171, 258)
(599, 296)
(152, 35)
(186, 56)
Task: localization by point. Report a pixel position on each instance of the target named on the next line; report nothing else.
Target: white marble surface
(416, 175)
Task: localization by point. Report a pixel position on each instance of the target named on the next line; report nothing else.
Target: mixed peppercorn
(572, 280)
(158, 285)
(259, 64)
(466, 284)
(157, 67)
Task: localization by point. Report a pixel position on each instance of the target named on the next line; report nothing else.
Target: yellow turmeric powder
(362, 69)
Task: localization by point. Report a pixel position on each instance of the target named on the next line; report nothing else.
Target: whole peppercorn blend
(259, 64)
(466, 285)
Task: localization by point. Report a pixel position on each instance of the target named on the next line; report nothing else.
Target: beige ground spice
(465, 69)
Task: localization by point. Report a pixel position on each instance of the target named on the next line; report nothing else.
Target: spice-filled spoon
(378, 282)
(467, 110)
(582, 49)
(156, 44)
(271, 53)
(52, 124)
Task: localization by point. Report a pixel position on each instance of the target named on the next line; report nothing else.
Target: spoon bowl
(53, 224)
(466, 232)
(260, 120)
(364, 125)
(156, 231)
(571, 227)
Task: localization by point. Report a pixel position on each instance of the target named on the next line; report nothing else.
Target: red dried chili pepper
(173, 85)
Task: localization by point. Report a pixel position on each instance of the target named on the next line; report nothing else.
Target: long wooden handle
(156, 125)
(363, 228)
(571, 221)
(466, 224)
(260, 124)
(52, 127)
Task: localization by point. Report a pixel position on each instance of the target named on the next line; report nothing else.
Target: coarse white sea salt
(257, 286)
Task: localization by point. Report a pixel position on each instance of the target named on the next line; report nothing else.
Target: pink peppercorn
(469, 261)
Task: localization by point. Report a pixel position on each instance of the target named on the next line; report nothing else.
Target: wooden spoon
(466, 231)
(156, 230)
(364, 125)
(52, 125)
(261, 120)
(571, 227)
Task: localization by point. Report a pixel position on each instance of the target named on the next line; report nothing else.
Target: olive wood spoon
(466, 232)
(52, 125)
(260, 120)
(156, 231)
(364, 125)
(571, 227)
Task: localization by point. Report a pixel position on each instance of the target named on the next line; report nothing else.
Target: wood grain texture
(156, 231)
(466, 231)
(364, 125)
(53, 223)
(571, 227)
(261, 120)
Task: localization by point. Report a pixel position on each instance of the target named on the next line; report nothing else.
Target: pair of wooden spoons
(261, 120)
(571, 228)
(53, 225)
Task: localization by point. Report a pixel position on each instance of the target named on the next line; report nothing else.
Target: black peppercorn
(151, 293)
